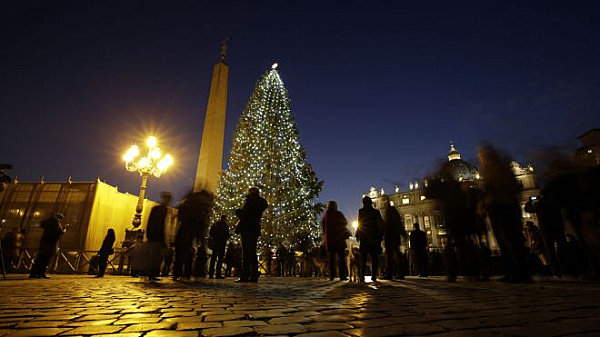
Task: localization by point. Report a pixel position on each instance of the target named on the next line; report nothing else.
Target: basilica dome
(458, 169)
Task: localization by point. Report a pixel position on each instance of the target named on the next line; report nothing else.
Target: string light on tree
(266, 153)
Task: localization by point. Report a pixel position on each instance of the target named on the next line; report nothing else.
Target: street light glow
(133, 152)
(165, 163)
(155, 153)
(152, 164)
(355, 225)
(151, 141)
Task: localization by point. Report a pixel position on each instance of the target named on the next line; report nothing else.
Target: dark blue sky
(378, 88)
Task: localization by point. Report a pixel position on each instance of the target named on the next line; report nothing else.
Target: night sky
(378, 89)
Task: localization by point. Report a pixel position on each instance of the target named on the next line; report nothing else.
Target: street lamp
(355, 226)
(153, 164)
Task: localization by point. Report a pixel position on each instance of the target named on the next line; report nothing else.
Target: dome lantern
(453, 154)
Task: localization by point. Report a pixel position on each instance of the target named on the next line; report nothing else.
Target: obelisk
(211, 149)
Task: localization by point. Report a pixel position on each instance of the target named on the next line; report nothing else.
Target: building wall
(89, 207)
(24, 205)
(414, 207)
(114, 209)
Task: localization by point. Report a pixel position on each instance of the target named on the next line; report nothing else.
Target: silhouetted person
(249, 228)
(168, 260)
(536, 246)
(486, 261)
(12, 243)
(187, 231)
(450, 261)
(574, 256)
(218, 236)
(418, 245)
(369, 234)
(574, 186)
(193, 215)
(105, 251)
(155, 233)
(335, 234)
(268, 256)
(133, 264)
(551, 228)
(501, 201)
(229, 258)
(53, 230)
(281, 259)
(458, 201)
(394, 231)
(291, 262)
(204, 202)
(235, 259)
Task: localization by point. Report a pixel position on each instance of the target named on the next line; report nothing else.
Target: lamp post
(153, 164)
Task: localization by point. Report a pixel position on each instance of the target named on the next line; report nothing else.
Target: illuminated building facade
(413, 205)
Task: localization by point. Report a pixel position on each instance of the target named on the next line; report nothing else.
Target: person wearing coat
(418, 246)
(394, 231)
(501, 202)
(249, 228)
(369, 234)
(155, 233)
(218, 236)
(53, 230)
(281, 254)
(335, 234)
(193, 216)
(105, 251)
(551, 230)
(12, 243)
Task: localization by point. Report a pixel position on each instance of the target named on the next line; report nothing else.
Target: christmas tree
(266, 153)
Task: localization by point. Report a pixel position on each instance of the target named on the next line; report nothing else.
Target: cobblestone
(229, 331)
(93, 330)
(130, 307)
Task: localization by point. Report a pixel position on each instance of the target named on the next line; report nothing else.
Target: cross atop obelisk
(211, 149)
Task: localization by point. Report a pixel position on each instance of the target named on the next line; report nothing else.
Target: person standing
(335, 234)
(203, 202)
(281, 254)
(193, 219)
(418, 245)
(394, 231)
(169, 253)
(105, 251)
(501, 202)
(12, 243)
(155, 233)
(291, 261)
(268, 256)
(217, 238)
(249, 228)
(369, 234)
(229, 258)
(537, 251)
(53, 230)
(184, 239)
(551, 230)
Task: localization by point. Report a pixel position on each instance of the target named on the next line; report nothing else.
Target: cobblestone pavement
(80, 305)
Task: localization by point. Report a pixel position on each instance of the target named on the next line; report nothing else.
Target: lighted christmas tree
(266, 153)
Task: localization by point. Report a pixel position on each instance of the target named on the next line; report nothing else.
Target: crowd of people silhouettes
(565, 239)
